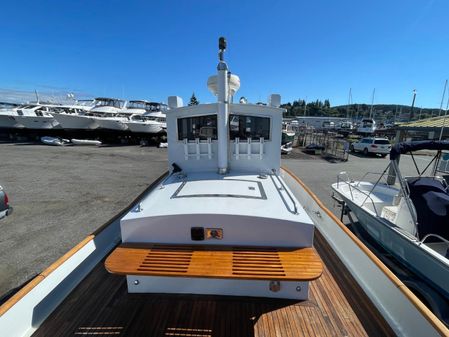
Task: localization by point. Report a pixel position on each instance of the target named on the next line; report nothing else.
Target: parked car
(373, 145)
(5, 209)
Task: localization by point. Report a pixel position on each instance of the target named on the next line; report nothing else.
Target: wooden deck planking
(100, 305)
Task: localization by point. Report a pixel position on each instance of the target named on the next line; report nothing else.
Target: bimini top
(406, 147)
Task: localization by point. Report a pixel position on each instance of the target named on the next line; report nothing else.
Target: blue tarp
(401, 148)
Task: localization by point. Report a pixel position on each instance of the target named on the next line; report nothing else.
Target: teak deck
(100, 305)
(249, 263)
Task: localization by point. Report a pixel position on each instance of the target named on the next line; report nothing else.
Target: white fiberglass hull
(73, 121)
(9, 121)
(418, 258)
(37, 122)
(142, 127)
(111, 124)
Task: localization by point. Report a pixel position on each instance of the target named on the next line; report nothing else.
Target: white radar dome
(234, 84)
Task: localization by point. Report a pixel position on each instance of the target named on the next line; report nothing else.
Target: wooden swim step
(228, 262)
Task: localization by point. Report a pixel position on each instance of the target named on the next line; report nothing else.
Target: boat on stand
(226, 243)
(106, 114)
(409, 220)
(150, 120)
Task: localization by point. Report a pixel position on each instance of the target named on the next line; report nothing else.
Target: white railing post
(186, 149)
(237, 148)
(197, 146)
(209, 148)
(261, 148)
(249, 148)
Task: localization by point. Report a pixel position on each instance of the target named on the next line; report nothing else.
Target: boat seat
(226, 262)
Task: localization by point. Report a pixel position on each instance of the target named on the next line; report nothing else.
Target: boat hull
(145, 127)
(402, 247)
(37, 122)
(75, 122)
(8, 121)
(111, 124)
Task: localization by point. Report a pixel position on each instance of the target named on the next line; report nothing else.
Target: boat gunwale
(27, 288)
(429, 315)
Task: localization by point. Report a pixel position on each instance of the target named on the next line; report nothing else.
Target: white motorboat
(106, 114)
(410, 220)
(8, 120)
(152, 123)
(36, 116)
(146, 117)
(74, 117)
(225, 220)
(367, 126)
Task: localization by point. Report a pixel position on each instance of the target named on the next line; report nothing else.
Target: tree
(193, 100)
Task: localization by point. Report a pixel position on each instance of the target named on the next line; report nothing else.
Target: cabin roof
(211, 193)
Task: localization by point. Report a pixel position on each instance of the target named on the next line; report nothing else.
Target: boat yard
(62, 194)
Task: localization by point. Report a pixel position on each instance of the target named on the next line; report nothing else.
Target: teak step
(250, 263)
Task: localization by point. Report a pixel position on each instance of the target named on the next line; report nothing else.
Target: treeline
(379, 111)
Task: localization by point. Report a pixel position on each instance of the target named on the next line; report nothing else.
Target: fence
(334, 146)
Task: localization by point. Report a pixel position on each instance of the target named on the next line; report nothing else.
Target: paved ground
(60, 195)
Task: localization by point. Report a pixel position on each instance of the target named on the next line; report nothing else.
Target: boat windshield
(199, 127)
(109, 102)
(136, 105)
(249, 127)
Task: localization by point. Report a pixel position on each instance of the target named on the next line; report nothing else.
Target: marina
(226, 220)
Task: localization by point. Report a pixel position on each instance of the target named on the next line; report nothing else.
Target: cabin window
(249, 127)
(202, 127)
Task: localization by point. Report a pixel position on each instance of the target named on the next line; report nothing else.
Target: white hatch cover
(230, 188)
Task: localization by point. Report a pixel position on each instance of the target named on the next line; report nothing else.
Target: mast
(349, 102)
(223, 108)
(372, 103)
(442, 98)
(413, 105)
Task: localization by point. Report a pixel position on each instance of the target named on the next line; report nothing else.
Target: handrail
(433, 235)
(286, 191)
(348, 182)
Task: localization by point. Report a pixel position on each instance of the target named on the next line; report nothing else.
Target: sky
(300, 49)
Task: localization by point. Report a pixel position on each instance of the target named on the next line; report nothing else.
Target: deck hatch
(224, 188)
(213, 261)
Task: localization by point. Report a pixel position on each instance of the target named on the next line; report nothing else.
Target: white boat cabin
(223, 221)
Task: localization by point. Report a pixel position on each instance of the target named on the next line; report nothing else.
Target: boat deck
(100, 305)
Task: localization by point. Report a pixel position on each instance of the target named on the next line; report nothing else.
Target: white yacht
(7, 118)
(146, 117)
(36, 116)
(367, 126)
(74, 117)
(106, 114)
(226, 220)
(410, 220)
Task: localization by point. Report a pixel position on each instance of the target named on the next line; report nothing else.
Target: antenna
(37, 96)
(222, 47)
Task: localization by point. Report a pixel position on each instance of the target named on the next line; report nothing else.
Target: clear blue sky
(153, 49)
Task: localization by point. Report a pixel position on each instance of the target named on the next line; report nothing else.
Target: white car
(369, 145)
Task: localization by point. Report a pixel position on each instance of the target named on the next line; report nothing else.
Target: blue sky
(153, 49)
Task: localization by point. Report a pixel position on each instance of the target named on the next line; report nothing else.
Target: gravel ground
(62, 194)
